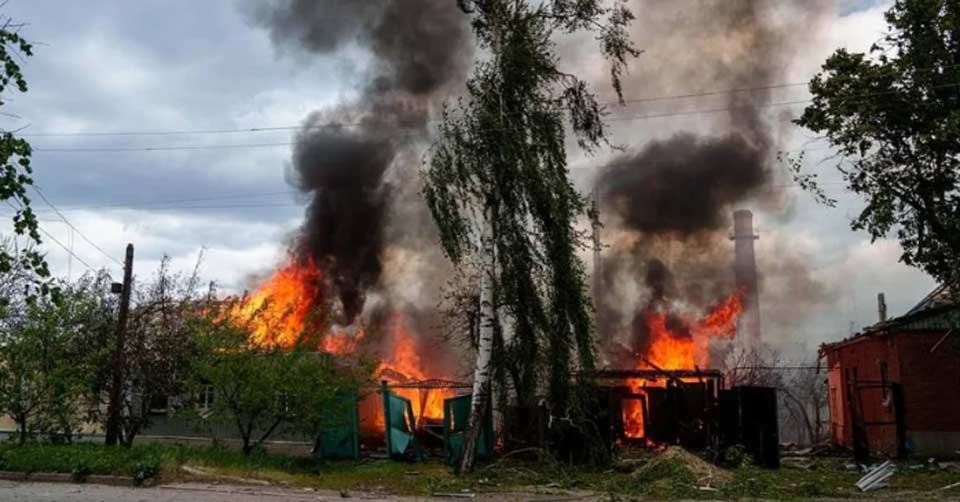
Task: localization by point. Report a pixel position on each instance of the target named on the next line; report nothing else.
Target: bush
(143, 471)
(734, 457)
(80, 472)
(82, 460)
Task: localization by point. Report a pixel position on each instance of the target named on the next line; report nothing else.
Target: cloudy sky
(174, 67)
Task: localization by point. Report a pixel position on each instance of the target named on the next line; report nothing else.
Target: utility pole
(116, 393)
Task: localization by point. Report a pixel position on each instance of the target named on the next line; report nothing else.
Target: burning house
(668, 304)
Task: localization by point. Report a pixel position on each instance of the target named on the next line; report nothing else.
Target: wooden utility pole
(116, 391)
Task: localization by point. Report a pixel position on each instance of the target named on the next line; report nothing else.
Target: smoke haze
(665, 200)
(343, 158)
(666, 203)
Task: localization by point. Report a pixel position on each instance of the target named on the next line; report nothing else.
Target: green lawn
(664, 480)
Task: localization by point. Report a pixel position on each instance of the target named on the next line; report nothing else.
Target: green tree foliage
(159, 345)
(263, 390)
(501, 159)
(894, 115)
(45, 363)
(15, 168)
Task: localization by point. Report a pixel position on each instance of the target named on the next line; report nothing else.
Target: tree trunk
(488, 318)
(22, 425)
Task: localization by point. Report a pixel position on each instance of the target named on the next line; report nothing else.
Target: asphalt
(68, 492)
(23, 491)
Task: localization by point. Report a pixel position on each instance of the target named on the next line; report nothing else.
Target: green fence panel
(456, 418)
(399, 426)
(341, 440)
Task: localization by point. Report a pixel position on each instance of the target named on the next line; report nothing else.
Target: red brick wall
(931, 381)
(862, 361)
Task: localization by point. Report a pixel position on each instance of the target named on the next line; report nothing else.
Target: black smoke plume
(683, 185)
(420, 49)
(666, 203)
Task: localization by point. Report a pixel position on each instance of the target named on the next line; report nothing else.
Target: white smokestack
(745, 273)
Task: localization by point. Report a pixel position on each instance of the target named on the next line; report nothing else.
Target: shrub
(143, 471)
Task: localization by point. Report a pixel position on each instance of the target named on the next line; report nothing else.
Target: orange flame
(682, 346)
(404, 364)
(282, 310)
(633, 423)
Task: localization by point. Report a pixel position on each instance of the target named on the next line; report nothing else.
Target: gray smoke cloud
(667, 203)
(420, 49)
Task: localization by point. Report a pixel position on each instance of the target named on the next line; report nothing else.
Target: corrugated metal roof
(936, 312)
(941, 296)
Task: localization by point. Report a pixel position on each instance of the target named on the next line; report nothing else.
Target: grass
(83, 459)
(668, 479)
(164, 462)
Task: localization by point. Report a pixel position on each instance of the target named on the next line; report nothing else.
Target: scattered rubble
(949, 487)
(707, 474)
(877, 477)
(456, 495)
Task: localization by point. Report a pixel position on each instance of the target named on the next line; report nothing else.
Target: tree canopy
(497, 183)
(263, 390)
(894, 116)
(15, 169)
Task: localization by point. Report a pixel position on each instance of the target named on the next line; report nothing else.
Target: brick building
(895, 387)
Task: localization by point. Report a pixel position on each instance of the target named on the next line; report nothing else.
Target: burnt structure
(692, 409)
(677, 407)
(748, 418)
(745, 275)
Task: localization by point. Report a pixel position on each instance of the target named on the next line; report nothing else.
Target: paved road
(200, 492)
(66, 492)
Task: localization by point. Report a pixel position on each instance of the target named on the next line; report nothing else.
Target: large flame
(678, 345)
(285, 310)
(402, 363)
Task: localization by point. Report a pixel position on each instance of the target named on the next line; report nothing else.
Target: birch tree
(497, 186)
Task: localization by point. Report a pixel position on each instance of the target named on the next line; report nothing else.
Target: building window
(158, 405)
(206, 398)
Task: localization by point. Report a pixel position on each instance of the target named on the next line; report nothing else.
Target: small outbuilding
(894, 389)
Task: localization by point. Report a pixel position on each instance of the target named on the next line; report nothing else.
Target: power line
(54, 239)
(713, 110)
(348, 124)
(220, 206)
(229, 195)
(294, 204)
(356, 124)
(75, 229)
(65, 248)
(329, 125)
(164, 148)
(710, 93)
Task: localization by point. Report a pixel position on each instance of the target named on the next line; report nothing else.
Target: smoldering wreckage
(365, 254)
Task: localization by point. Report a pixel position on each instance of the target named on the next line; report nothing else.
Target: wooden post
(386, 414)
(116, 394)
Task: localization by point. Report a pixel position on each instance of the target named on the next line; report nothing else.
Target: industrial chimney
(745, 274)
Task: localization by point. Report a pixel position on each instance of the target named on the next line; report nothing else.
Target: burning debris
(664, 343)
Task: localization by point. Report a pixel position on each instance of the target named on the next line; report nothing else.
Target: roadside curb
(62, 477)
